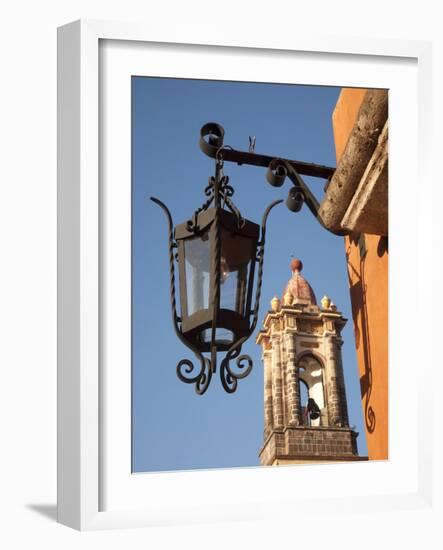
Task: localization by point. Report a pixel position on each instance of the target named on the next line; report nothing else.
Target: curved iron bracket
(308, 197)
(261, 257)
(211, 141)
(211, 144)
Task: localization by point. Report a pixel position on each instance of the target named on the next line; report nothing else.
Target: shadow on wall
(362, 335)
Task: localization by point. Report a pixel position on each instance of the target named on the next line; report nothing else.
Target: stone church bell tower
(305, 408)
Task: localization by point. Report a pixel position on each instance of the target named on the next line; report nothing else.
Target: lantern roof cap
(298, 286)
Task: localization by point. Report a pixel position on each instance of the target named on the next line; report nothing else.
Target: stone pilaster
(332, 384)
(277, 385)
(284, 375)
(341, 382)
(269, 414)
(292, 383)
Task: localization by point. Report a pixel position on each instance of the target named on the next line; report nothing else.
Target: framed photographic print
(224, 310)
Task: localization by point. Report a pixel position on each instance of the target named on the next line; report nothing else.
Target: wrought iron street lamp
(217, 251)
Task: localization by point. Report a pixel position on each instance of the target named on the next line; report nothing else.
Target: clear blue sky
(173, 427)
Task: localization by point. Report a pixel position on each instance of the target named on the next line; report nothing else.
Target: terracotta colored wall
(344, 115)
(368, 282)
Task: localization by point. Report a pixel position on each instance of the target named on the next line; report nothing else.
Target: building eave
(356, 198)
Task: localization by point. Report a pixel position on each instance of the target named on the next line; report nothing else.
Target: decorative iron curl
(191, 224)
(370, 418)
(223, 191)
(202, 379)
(226, 191)
(209, 189)
(228, 377)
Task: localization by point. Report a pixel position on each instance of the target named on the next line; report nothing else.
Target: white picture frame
(96, 489)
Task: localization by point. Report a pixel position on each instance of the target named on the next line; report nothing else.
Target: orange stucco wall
(368, 283)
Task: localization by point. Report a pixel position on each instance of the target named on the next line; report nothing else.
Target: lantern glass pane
(197, 271)
(223, 336)
(237, 253)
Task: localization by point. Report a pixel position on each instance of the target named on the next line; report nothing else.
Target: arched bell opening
(312, 388)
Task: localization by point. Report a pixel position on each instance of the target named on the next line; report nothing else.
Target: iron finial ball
(296, 264)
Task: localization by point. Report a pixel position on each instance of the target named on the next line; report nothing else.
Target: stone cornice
(297, 313)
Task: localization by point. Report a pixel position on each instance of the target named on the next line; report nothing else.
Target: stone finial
(326, 302)
(275, 304)
(288, 298)
(333, 306)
